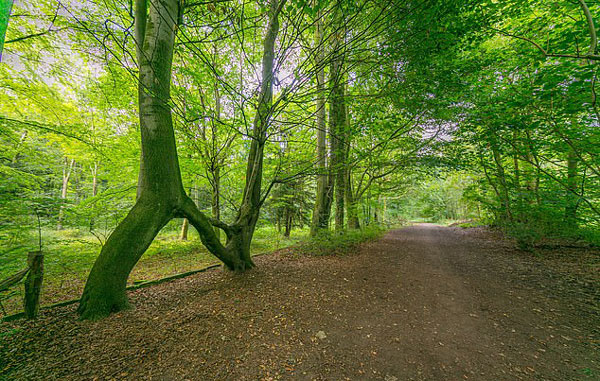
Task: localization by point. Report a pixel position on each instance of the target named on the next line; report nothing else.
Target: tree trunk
(500, 175)
(159, 184)
(18, 146)
(161, 193)
(351, 204)
(67, 169)
(94, 170)
(185, 225)
(376, 211)
(337, 121)
(532, 172)
(216, 197)
(571, 202)
(242, 230)
(216, 163)
(278, 221)
(384, 214)
(288, 222)
(322, 211)
(520, 210)
(95, 179)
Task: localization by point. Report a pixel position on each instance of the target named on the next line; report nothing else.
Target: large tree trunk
(159, 184)
(322, 211)
(161, 196)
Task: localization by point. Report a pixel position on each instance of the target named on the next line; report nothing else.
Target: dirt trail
(423, 303)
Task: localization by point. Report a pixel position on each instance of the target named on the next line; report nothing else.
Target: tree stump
(33, 284)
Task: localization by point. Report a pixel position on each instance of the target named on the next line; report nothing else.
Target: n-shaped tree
(161, 195)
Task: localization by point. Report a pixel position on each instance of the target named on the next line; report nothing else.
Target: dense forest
(199, 131)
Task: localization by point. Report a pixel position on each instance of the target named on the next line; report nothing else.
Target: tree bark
(161, 193)
(94, 179)
(531, 171)
(185, 225)
(571, 202)
(33, 284)
(517, 177)
(247, 217)
(351, 204)
(159, 184)
(67, 169)
(289, 218)
(322, 210)
(501, 176)
(337, 121)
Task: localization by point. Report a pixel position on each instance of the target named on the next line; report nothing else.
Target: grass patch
(70, 255)
(330, 243)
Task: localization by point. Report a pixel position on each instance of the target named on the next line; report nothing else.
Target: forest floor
(423, 303)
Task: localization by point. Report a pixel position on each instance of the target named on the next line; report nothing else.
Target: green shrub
(526, 235)
(330, 243)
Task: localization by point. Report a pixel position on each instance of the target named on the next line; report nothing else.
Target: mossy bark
(337, 121)
(161, 196)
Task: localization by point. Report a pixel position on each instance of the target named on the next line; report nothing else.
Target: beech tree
(359, 112)
(161, 195)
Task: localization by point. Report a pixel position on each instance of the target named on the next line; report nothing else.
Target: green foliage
(457, 111)
(330, 243)
(525, 235)
(70, 254)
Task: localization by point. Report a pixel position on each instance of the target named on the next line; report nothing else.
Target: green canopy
(5, 7)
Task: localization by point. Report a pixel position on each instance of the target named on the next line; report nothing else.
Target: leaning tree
(161, 195)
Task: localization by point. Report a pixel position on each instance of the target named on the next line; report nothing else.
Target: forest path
(423, 303)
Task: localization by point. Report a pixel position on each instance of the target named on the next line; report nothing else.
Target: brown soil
(423, 303)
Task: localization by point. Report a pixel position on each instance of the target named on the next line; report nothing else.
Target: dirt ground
(423, 303)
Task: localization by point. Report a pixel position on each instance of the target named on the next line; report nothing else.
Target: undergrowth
(341, 243)
(71, 253)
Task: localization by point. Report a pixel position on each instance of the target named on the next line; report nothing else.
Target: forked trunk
(161, 196)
